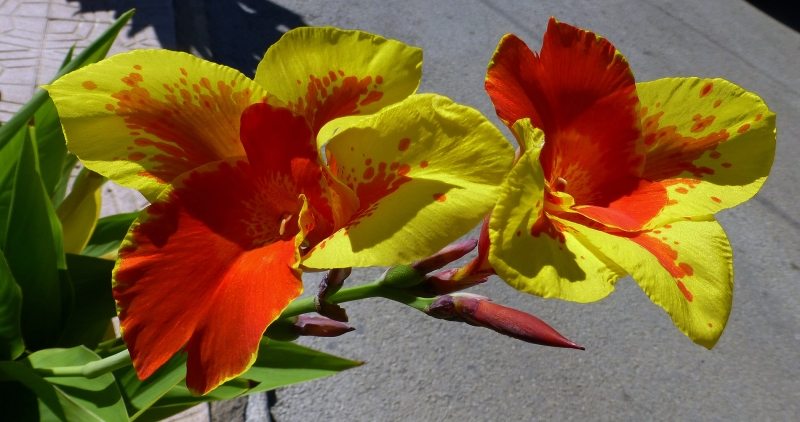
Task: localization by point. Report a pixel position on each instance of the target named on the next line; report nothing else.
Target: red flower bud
(445, 256)
(319, 326)
(479, 311)
(442, 283)
(479, 266)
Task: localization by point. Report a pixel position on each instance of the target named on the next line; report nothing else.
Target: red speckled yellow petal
(325, 73)
(709, 142)
(142, 118)
(208, 267)
(580, 91)
(540, 255)
(425, 172)
(685, 267)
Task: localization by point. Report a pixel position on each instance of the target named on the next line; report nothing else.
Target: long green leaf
(282, 363)
(93, 304)
(32, 253)
(91, 54)
(11, 344)
(140, 395)
(68, 398)
(278, 364)
(108, 234)
(51, 144)
(60, 192)
(9, 155)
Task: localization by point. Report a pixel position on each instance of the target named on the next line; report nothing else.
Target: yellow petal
(709, 142)
(80, 210)
(143, 118)
(685, 267)
(425, 172)
(537, 254)
(326, 73)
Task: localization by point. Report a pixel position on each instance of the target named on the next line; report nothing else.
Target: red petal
(280, 145)
(581, 93)
(205, 267)
(630, 211)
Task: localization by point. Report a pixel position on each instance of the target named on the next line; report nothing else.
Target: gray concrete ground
(637, 366)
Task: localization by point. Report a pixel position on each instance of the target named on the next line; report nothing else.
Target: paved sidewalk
(637, 366)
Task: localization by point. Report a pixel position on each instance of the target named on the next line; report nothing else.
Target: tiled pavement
(637, 366)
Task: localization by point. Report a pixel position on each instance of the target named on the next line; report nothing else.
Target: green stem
(91, 369)
(348, 294)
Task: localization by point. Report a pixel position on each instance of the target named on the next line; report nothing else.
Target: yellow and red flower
(618, 178)
(241, 196)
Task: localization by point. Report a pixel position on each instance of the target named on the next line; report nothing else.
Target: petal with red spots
(537, 254)
(207, 268)
(280, 147)
(581, 92)
(326, 73)
(425, 171)
(709, 142)
(685, 267)
(143, 118)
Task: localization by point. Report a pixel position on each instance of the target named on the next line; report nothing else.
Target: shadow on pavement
(148, 13)
(230, 32)
(235, 33)
(786, 12)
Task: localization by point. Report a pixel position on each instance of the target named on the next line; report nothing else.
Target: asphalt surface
(637, 365)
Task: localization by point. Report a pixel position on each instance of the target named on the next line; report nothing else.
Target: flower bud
(319, 326)
(330, 284)
(445, 256)
(479, 266)
(479, 311)
(442, 283)
(408, 276)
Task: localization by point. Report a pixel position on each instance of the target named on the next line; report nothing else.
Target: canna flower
(242, 199)
(621, 178)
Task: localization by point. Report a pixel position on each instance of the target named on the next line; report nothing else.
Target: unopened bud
(445, 256)
(442, 283)
(479, 266)
(408, 276)
(479, 311)
(330, 284)
(319, 326)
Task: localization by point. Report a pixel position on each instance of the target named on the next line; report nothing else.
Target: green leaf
(91, 54)
(67, 58)
(11, 344)
(278, 364)
(51, 144)
(9, 155)
(32, 251)
(140, 395)
(281, 363)
(60, 192)
(67, 398)
(93, 302)
(108, 234)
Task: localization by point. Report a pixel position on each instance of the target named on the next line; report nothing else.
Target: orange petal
(205, 267)
(280, 146)
(580, 91)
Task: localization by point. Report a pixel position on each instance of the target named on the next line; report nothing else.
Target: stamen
(560, 184)
(284, 219)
